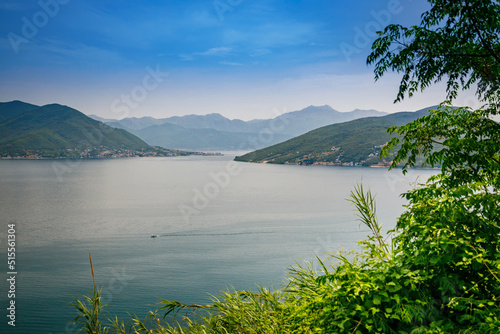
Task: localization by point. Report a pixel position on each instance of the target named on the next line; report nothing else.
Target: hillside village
(100, 152)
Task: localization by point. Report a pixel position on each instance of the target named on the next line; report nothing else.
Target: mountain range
(216, 132)
(57, 131)
(356, 142)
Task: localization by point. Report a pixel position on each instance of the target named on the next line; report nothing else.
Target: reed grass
(89, 309)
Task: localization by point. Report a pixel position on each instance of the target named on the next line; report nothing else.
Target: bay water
(218, 224)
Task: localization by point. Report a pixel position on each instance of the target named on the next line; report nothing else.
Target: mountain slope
(354, 142)
(173, 136)
(55, 130)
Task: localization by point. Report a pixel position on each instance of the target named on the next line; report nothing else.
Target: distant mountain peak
(16, 101)
(325, 107)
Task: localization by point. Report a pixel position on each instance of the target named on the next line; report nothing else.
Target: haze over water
(240, 231)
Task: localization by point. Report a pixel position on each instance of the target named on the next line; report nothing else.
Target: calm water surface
(219, 224)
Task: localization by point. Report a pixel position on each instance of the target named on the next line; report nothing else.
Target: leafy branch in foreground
(457, 41)
(464, 142)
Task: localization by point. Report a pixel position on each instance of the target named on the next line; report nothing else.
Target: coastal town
(100, 152)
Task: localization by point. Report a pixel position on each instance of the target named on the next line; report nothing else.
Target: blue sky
(242, 58)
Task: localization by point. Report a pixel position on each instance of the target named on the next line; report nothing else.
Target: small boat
(154, 235)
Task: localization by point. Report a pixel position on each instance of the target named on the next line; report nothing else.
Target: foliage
(457, 41)
(465, 142)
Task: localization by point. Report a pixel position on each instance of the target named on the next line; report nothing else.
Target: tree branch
(485, 43)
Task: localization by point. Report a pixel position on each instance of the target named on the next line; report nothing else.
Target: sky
(245, 59)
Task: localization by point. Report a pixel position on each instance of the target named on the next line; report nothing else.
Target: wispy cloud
(271, 35)
(221, 51)
(78, 52)
(137, 30)
(230, 63)
(59, 53)
(185, 57)
(259, 52)
(327, 54)
(212, 52)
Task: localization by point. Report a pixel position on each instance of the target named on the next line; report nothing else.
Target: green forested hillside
(355, 142)
(57, 131)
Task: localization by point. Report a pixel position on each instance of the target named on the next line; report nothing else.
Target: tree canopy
(457, 41)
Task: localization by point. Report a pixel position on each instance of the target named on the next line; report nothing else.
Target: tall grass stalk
(364, 203)
(90, 309)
